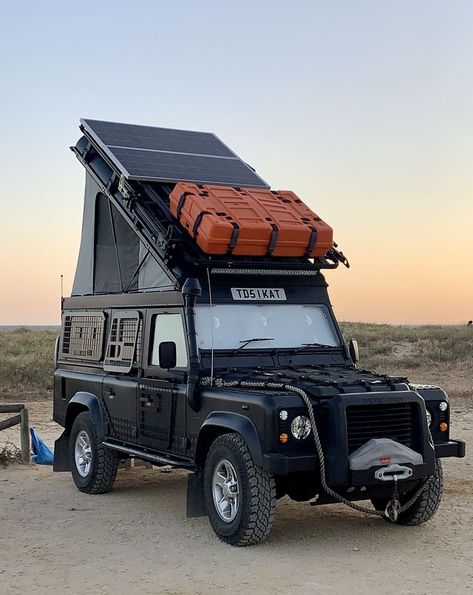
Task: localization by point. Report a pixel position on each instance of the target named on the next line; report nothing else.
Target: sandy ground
(136, 539)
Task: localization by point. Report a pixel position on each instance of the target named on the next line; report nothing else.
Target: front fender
(237, 423)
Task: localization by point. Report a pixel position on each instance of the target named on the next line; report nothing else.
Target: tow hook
(393, 473)
(393, 507)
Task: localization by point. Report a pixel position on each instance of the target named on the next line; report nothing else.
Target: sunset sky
(362, 108)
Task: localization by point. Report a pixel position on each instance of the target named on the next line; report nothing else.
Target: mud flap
(195, 496)
(61, 453)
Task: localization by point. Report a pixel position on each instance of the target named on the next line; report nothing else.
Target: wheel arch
(80, 402)
(223, 422)
(84, 401)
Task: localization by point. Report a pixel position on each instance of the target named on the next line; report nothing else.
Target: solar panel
(155, 154)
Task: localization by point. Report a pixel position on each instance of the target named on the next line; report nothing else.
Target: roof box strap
(274, 238)
(234, 238)
(312, 242)
(198, 221)
(181, 202)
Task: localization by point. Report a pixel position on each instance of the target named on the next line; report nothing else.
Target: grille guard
(335, 437)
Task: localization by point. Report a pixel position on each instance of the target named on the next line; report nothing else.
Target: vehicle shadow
(295, 522)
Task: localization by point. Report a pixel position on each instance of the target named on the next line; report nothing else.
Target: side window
(121, 344)
(82, 336)
(169, 327)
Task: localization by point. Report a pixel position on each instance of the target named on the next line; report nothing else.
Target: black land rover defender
(231, 367)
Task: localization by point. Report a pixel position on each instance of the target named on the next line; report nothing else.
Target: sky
(364, 109)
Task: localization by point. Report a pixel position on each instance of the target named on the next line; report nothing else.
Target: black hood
(321, 380)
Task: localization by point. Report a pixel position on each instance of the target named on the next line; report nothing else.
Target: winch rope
(393, 508)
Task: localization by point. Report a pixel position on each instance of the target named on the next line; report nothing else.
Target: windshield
(273, 325)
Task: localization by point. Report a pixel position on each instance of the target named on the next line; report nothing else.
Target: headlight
(443, 406)
(300, 427)
(429, 417)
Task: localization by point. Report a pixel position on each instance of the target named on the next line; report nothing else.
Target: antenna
(62, 288)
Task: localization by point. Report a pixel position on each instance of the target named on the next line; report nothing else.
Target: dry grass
(9, 453)
(440, 355)
(26, 364)
(427, 354)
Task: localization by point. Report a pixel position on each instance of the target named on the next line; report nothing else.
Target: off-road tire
(105, 461)
(427, 504)
(254, 518)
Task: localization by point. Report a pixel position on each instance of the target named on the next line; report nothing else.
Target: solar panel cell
(164, 154)
(159, 139)
(143, 165)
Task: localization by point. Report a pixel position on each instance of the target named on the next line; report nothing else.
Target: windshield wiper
(306, 345)
(246, 342)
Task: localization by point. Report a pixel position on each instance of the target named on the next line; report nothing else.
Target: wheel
(240, 497)
(426, 505)
(94, 467)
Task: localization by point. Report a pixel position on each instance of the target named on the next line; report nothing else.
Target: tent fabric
(151, 274)
(116, 250)
(84, 277)
(111, 253)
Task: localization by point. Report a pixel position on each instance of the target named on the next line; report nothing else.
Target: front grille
(395, 421)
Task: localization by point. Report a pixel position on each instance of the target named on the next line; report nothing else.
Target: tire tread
(105, 467)
(428, 503)
(257, 516)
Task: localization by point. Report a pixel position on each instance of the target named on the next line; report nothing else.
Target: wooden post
(25, 437)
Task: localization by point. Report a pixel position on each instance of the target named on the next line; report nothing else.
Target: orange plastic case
(249, 221)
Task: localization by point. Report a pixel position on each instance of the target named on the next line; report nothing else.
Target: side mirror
(167, 355)
(354, 351)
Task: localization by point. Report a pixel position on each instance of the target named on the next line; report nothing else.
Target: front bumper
(279, 464)
(452, 448)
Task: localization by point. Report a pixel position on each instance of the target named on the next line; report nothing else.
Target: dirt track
(137, 540)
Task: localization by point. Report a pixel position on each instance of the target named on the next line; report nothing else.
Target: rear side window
(169, 327)
(82, 336)
(122, 339)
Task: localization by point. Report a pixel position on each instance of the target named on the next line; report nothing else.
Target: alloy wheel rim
(83, 453)
(226, 490)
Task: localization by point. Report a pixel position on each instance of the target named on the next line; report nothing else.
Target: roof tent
(130, 239)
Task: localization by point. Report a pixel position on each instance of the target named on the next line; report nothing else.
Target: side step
(133, 451)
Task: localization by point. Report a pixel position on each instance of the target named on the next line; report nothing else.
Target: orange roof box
(249, 222)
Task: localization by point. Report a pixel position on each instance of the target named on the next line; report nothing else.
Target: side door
(162, 406)
(120, 385)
